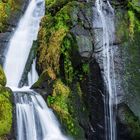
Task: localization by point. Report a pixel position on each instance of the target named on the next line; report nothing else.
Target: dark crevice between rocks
(93, 96)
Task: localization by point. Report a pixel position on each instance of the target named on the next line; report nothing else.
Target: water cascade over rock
(104, 29)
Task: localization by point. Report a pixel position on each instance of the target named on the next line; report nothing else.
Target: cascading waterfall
(21, 42)
(105, 34)
(35, 121)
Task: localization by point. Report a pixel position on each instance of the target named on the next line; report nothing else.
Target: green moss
(50, 48)
(58, 50)
(128, 33)
(134, 125)
(52, 33)
(131, 16)
(6, 8)
(134, 5)
(59, 101)
(66, 51)
(2, 77)
(54, 5)
(86, 68)
(5, 111)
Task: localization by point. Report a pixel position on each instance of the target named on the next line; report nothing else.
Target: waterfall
(35, 121)
(21, 42)
(104, 29)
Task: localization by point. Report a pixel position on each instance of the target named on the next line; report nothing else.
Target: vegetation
(6, 7)
(2, 77)
(5, 111)
(128, 34)
(62, 67)
(59, 101)
(134, 125)
(57, 52)
(5, 107)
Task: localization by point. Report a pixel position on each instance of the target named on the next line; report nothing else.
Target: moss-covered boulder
(5, 112)
(59, 101)
(44, 85)
(6, 108)
(64, 56)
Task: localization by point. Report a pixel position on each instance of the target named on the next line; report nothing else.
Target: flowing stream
(35, 121)
(105, 35)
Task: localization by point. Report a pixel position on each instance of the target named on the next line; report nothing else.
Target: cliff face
(128, 34)
(66, 60)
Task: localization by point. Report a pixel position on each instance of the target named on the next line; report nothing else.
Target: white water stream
(35, 121)
(105, 31)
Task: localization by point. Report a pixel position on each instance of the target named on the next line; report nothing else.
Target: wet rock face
(93, 93)
(128, 32)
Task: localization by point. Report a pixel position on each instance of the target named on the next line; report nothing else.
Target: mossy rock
(59, 101)
(134, 5)
(5, 111)
(134, 124)
(131, 122)
(128, 32)
(45, 82)
(51, 36)
(8, 8)
(2, 77)
(59, 52)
